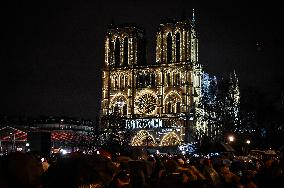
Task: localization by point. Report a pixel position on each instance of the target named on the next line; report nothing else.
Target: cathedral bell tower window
(117, 52)
(125, 52)
(169, 48)
(177, 47)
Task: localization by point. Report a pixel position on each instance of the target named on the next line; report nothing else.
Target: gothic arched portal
(143, 138)
(170, 139)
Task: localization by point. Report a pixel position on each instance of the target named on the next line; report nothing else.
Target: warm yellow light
(170, 139)
(140, 137)
(231, 138)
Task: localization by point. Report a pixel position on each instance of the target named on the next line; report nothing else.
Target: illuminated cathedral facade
(156, 101)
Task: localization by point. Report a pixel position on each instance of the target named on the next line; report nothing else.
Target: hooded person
(20, 170)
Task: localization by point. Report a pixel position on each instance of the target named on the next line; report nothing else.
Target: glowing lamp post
(13, 139)
(247, 146)
(231, 139)
(248, 142)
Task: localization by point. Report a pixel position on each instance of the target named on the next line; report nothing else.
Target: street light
(248, 142)
(231, 138)
(27, 147)
(247, 146)
(13, 141)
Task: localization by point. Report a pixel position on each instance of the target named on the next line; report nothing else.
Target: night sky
(52, 52)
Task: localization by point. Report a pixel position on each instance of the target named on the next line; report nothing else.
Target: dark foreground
(24, 170)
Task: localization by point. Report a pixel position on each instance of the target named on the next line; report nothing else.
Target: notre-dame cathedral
(156, 101)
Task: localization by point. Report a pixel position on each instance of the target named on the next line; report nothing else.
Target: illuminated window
(111, 52)
(177, 46)
(117, 52)
(125, 52)
(169, 48)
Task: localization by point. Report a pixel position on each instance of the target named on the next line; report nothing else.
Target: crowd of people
(25, 170)
(225, 171)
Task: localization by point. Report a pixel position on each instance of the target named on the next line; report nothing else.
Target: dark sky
(52, 51)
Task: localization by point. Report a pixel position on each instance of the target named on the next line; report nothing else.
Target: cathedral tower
(155, 101)
(124, 46)
(177, 42)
